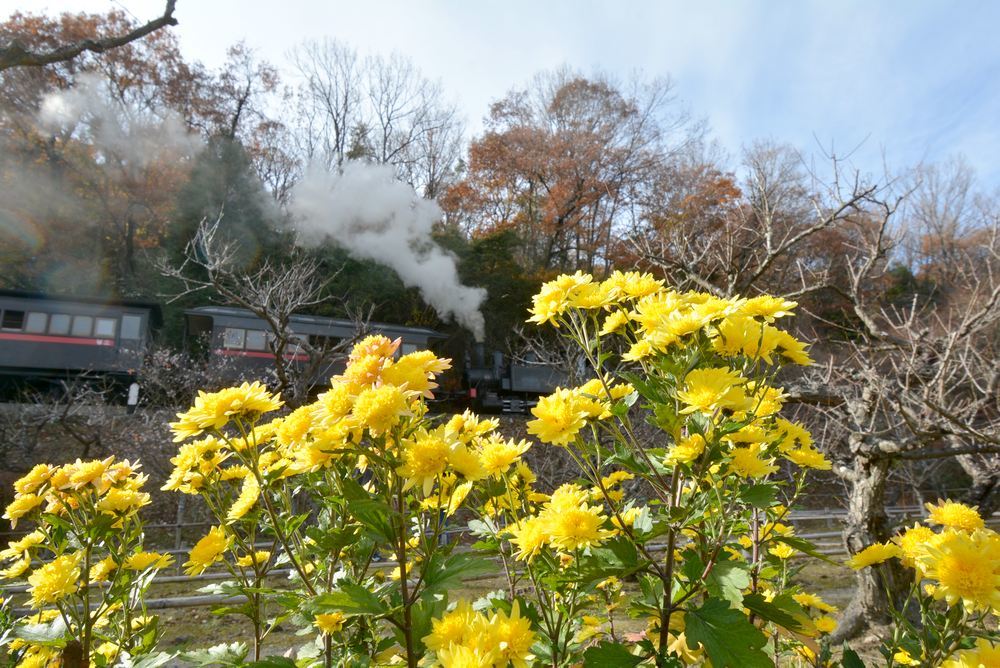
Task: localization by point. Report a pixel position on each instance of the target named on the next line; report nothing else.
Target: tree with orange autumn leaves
(564, 162)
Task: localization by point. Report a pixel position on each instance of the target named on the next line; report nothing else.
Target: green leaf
(351, 599)
(609, 655)
(455, 569)
(850, 659)
(51, 634)
(804, 546)
(783, 610)
(273, 662)
(153, 660)
(727, 580)
(218, 655)
(334, 539)
(729, 639)
(759, 496)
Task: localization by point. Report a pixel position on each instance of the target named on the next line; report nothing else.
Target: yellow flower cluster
(562, 414)
(208, 550)
(655, 318)
(566, 522)
(464, 446)
(656, 321)
(110, 487)
(375, 392)
(216, 409)
(984, 655)
(958, 564)
(78, 492)
(464, 637)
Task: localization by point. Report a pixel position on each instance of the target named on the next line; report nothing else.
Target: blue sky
(914, 80)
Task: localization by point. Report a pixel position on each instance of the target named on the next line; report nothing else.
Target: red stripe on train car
(45, 338)
(298, 357)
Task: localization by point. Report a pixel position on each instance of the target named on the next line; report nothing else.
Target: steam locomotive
(49, 339)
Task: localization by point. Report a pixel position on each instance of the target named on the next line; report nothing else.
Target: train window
(83, 325)
(59, 324)
(233, 337)
(256, 340)
(36, 323)
(12, 320)
(131, 326)
(104, 328)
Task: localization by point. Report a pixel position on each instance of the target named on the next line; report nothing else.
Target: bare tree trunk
(867, 523)
(985, 489)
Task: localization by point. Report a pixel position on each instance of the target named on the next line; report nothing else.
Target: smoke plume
(365, 210)
(138, 137)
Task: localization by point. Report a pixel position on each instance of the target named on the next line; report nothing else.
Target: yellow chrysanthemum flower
(739, 334)
(461, 656)
(33, 479)
(55, 580)
(214, 410)
(573, 528)
(984, 655)
(380, 408)
(708, 390)
(633, 284)
(453, 628)
(103, 569)
(591, 296)
(912, 542)
(560, 417)
(554, 297)
(748, 463)
(640, 350)
(614, 322)
(207, 551)
(425, 457)
(512, 637)
(566, 497)
(498, 455)
(259, 557)
(792, 349)
(121, 500)
(37, 656)
(875, 553)
(249, 493)
(809, 458)
(825, 624)
(416, 371)
(374, 345)
(782, 551)
(767, 307)
(966, 567)
(807, 600)
(687, 451)
(17, 568)
(954, 515)
(140, 561)
(83, 473)
(530, 536)
(330, 622)
(21, 506)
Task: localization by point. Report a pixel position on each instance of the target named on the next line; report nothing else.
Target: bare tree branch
(16, 54)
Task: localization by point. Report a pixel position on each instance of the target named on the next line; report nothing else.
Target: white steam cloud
(139, 137)
(365, 210)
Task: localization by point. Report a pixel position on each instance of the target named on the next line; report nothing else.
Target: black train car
(497, 384)
(49, 338)
(238, 342)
